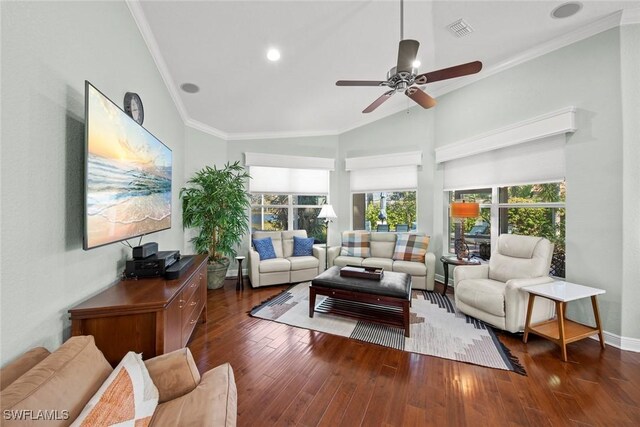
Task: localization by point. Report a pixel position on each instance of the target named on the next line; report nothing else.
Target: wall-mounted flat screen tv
(127, 175)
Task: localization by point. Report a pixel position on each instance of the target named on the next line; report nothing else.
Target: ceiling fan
(405, 75)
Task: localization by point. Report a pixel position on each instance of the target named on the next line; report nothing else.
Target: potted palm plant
(215, 202)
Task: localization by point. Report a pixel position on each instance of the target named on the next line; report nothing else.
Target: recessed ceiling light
(416, 63)
(189, 87)
(273, 55)
(566, 10)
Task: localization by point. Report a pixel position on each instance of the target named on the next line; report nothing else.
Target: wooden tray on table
(371, 273)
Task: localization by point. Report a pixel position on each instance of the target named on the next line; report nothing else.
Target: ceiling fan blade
(358, 83)
(375, 104)
(420, 97)
(407, 52)
(449, 73)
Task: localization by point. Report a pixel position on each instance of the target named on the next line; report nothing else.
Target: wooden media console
(151, 316)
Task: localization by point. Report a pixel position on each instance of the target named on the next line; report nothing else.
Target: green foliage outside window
(400, 209)
(304, 218)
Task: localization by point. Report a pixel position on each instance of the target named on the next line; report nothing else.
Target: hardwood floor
(291, 376)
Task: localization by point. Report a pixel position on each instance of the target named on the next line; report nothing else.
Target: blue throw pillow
(264, 247)
(303, 246)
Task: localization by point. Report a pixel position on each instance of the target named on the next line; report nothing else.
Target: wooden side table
(562, 330)
(453, 260)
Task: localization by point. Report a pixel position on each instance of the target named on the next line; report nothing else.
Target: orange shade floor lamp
(461, 210)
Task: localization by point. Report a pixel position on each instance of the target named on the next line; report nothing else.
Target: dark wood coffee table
(386, 300)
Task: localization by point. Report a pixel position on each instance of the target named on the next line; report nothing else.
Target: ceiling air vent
(460, 28)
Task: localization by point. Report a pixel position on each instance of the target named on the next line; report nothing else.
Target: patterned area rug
(437, 329)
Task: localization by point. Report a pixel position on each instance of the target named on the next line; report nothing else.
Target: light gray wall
(630, 70)
(320, 146)
(201, 149)
(586, 75)
(408, 130)
(48, 49)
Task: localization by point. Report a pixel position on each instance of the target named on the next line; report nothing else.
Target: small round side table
(453, 260)
(240, 280)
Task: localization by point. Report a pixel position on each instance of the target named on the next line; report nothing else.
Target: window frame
(415, 190)
(290, 206)
(495, 207)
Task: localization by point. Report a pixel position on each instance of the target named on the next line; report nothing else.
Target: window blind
(284, 161)
(384, 179)
(389, 172)
(275, 173)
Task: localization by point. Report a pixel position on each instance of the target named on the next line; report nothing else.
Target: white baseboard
(440, 278)
(617, 341)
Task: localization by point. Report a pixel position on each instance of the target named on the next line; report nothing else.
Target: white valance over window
(397, 171)
(531, 151)
(532, 162)
(283, 161)
(272, 173)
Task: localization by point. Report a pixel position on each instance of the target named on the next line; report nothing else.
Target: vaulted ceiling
(221, 47)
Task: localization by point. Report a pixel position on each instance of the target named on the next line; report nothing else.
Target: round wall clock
(133, 106)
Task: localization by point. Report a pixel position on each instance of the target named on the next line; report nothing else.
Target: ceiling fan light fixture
(566, 10)
(273, 54)
(416, 63)
(460, 28)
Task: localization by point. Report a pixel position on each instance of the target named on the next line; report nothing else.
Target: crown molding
(278, 135)
(143, 26)
(606, 23)
(630, 16)
(387, 112)
(596, 27)
(626, 17)
(194, 124)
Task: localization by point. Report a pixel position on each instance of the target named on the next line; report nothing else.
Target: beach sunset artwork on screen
(128, 175)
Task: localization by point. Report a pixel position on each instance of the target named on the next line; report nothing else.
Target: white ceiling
(221, 46)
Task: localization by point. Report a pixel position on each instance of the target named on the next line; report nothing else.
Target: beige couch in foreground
(62, 383)
(382, 246)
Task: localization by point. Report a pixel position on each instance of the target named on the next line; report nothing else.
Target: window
(477, 231)
(273, 212)
(385, 211)
(536, 210)
(533, 209)
(287, 192)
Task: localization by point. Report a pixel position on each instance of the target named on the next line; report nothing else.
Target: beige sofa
(62, 383)
(493, 294)
(382, 245)
(285, 268)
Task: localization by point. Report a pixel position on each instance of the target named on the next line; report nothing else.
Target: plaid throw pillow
(410, 247)
(355, 244)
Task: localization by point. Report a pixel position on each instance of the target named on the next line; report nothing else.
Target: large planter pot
(216, 273)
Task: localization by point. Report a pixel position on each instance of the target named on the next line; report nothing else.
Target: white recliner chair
(492, 293)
